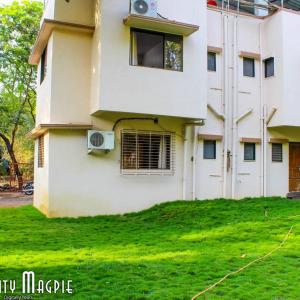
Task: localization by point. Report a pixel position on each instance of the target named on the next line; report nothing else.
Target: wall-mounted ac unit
(101, 140)
(144, 7)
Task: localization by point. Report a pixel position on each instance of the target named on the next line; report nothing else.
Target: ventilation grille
(277, 153)
(147, 153)
(41, 152)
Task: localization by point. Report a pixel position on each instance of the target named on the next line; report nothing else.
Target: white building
(193, 102)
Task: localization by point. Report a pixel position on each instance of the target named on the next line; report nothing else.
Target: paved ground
(14, 200)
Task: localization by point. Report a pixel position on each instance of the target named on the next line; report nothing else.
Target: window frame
(281, 153)
(245, 59)
(266, 61)
(148, 171)
(215, 61)
(254, 152)
(164, 36)
(214, 156)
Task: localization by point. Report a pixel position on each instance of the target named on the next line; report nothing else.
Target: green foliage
(19, 24)
(169, 252)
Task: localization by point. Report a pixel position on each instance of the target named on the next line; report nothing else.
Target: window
(277, 153)
(269, 67)
(147, 152)
(156, 50)
(43, 65)
(41, 151)
(209, 150)
(249, 67)
(211, 61)
(249, 151)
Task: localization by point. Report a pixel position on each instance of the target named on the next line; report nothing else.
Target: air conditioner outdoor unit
(146, 8)
(101, 140)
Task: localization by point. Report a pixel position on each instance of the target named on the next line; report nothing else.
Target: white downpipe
(263, 120)
(195, 146)
(234, 111)
(225, 103)
(265, 143)
(184, 178)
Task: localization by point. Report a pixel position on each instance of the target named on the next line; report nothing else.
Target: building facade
(199, 101)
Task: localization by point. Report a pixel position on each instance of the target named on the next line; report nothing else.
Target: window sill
(155, 68)
(148, 172)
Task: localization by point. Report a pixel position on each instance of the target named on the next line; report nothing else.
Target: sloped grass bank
(171, 251)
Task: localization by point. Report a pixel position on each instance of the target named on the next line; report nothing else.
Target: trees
(19, 24)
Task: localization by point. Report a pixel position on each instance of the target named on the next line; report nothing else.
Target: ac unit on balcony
(144, 7)
(101, 140)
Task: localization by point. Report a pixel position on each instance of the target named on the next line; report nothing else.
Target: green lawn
(171, 252)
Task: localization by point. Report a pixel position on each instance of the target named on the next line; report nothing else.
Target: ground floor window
(249, 151)
(147, 152)
(277, 153)
(41, 151)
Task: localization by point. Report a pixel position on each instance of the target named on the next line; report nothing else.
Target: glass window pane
(249, 67)
(269, 67)
(211, 61)
(249, 151)
(147, 49)
(173, 53)
(209, 150)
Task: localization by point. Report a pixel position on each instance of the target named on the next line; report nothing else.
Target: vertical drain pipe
(234, 114)
(225, 102)
(195, 160)
(185, 144)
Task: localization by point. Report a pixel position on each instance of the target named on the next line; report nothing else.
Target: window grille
(44, 65)
(277, 153)
(147, 153)
(41, 150)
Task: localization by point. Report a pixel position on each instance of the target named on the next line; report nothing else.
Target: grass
(171, 251)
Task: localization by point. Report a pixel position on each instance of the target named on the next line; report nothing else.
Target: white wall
(122, 87)
(82, 184)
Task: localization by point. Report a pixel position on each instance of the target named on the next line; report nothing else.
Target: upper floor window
(249, 151)
(156, 50)
(209, 149)
(212, 61)
(43, 65)
(269, 67)
(147, 152)
(249, 67)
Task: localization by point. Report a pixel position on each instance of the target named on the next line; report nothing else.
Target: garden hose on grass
(245, 267)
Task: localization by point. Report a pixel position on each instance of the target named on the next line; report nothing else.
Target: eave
(45, 32)
(44, 128)
(160, 25)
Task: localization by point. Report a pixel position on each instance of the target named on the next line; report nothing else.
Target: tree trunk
(15, 163)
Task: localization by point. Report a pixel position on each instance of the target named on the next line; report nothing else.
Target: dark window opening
(43, 65)
(249, 67)
(249, 151)
(156, 50)
(277, 153)
(209, 150)
(269, 67)
(211, 61)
